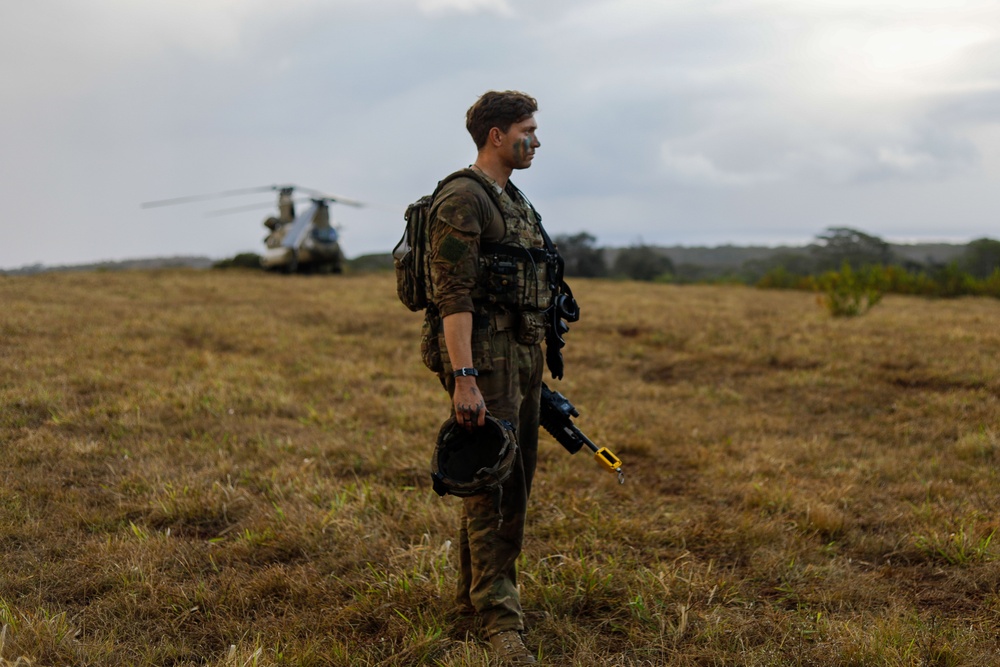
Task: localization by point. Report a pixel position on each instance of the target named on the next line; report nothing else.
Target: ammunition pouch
(501, 280)
(531, 327)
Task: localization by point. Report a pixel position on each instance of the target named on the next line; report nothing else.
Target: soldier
(490, 288)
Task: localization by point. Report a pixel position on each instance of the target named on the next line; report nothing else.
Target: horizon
(351, 257)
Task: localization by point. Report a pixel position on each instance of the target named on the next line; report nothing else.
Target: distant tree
(643, 262)
(791, 263)
(695, 273)
(582, 258)
(981, 258)
(844, 244)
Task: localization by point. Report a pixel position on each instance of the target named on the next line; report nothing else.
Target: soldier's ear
(496, 137)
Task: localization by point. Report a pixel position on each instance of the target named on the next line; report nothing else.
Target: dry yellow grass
(223, 468)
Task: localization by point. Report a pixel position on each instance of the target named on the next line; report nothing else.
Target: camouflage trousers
(489, 547)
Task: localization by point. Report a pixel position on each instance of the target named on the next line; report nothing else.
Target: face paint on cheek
(522, 148)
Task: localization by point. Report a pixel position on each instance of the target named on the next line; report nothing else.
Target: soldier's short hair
(500, 110)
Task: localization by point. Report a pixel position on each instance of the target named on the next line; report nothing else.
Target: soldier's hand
(470, 408)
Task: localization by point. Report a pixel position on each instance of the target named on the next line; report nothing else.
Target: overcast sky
(697, 122)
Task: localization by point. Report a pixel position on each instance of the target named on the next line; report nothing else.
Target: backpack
(410, 255)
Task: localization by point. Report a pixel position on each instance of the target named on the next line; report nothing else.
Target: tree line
(976, 271)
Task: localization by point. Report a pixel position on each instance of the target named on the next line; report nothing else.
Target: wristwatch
(465, 372)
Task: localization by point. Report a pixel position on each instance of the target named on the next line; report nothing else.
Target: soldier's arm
(470, 408)
(454, 264)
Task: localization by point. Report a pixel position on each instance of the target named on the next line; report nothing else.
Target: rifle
(555, 417)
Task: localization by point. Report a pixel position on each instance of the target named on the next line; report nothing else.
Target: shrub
(899, 280)
(952, 281)
(849, 293)
(244, 260)
(991, 285)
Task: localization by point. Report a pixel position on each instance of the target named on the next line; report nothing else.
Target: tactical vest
(514, 271)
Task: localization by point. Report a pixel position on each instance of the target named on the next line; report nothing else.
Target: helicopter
(295, 243)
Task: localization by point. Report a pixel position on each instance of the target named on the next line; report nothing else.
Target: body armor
(515, 270)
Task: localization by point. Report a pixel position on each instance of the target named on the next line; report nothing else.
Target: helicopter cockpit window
(325, 235)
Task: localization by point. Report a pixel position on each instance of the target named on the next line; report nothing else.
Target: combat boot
(510, 648)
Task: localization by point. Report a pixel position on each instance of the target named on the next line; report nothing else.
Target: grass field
(230, 468)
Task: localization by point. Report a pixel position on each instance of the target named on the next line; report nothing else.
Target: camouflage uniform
(506, 344)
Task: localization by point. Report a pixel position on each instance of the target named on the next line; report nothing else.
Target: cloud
(498, 7)
(698, 169)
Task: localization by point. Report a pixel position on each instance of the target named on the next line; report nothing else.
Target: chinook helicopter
(302, 243)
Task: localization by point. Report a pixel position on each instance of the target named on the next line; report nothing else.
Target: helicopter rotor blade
(337, 199)
(250, 207)
(215, 195)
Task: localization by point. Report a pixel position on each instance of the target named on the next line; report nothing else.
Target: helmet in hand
(469, 463)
